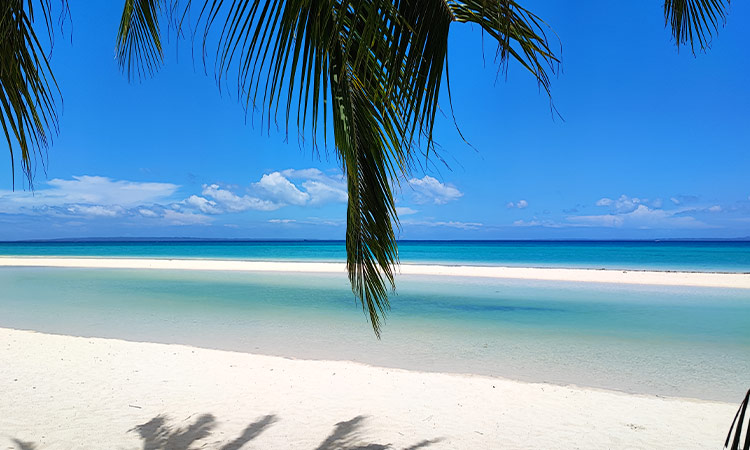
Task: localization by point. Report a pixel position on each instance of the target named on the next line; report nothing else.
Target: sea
(655, 340)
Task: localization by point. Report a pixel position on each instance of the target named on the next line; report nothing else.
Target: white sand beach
(61, 392)
(664, 278)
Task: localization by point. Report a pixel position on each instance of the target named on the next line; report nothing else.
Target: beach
(155, 353)
(643, 277)
(62, 392)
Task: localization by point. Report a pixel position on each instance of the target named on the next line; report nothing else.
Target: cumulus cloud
(321, 188)
(521, 204)
(536, 223)
(227, 201)
(202, 204)
(185, 218)
(82, 194)
(405, 211)
(641, 217)
(429, 190)
(448, 224)
(274, 190)
(626, 204)
(280, 190)
(91, 197)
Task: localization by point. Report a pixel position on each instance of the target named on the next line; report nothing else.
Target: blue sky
(652, 143)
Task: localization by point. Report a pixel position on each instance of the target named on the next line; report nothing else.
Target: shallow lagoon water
(691, 342)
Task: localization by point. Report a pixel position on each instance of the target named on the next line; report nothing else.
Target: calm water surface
(657, 340)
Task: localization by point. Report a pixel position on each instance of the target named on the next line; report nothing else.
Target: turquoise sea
(674, 341)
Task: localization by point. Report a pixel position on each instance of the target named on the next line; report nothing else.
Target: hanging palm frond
(736, 430)
(138, 45)
(375, 67)
(28, 91)
(695, 20)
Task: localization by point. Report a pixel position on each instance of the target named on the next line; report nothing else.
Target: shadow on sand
(157, 434)
(346, 436)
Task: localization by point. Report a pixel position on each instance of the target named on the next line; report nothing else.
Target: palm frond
(520, 34)
(371, 69)
(28, 91)
(695, 21)
(138, 48)
(735, 431)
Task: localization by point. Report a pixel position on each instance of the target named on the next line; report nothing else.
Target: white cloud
(280, 190)
(715, 208)
(640, 217)
(80, 193)
(185, 218)
(147, 213)
(203, 205)
(536, 223)
(284, 221)
(227, 201)
(321, 192)
(95, 210)
(521, 204)
(429, 190)
(322, 188)
(273, 191)
(625, 204)
(448, 224)
(405, 211)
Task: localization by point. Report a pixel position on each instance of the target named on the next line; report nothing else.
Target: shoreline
(375, 366)
(728, 280)
(77, 392)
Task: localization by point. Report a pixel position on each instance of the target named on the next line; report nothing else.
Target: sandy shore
(62, 392)
(697, 279)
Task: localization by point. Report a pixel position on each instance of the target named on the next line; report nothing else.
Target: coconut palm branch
(28, 91)
(695, 22)
(371, 71)
(735, 430)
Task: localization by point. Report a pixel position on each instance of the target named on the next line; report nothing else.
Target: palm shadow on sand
(346, 436)
(157, 434)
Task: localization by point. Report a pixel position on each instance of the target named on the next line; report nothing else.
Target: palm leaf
(138, 47)
(370, 68)
(28, 91)
(735, 431)
(695, 21)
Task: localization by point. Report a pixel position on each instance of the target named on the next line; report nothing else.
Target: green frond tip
(694, 22)
(28, 90)
(520, 34)
(138, 47)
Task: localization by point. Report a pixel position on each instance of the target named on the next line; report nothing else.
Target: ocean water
(654, 255)
(690, 342)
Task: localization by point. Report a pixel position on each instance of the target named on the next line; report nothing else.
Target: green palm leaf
(370, 69)
(138, 45)
(28, 90)
(695, 20)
